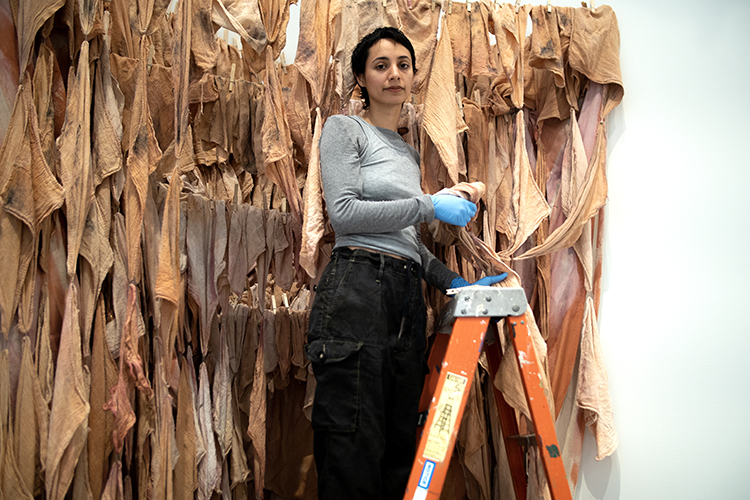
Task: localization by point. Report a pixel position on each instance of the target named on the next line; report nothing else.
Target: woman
(366, 337)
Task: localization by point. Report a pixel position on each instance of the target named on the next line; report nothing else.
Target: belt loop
(382, 266)
(353, 256)
(336, 255)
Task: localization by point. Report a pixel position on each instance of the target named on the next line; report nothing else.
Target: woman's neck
(384, 117)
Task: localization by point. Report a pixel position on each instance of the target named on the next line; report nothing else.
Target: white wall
(673, 321)
(674, 313)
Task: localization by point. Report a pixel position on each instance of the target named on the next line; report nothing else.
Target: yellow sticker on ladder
(445, 418)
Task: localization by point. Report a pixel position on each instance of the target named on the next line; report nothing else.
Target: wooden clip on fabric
(549, 5)
(518, 5)
(231, 77)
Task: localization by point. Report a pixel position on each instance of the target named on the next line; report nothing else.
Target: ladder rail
(446, 410)
(468, 315)
(508, 425)
(541, 416)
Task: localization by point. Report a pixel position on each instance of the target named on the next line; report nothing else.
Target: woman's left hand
(486, 281)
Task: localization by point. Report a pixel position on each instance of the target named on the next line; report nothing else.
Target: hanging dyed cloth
(419, 22)
(28, 18)
(275, 16)
(29, 194)
(186, 469)
(11, 482)
(209, 468)
(168, 286)
(441, 120)
(313, 225)
(277, 141)
(314, 45)
(103, 379)
(68, 421)
(143, 150)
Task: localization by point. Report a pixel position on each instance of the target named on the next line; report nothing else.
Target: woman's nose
(393, 72)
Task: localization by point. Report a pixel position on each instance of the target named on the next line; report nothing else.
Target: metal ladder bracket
(483, 301)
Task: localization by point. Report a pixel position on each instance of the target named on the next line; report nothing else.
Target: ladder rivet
(523, 323)
(484, 311)
(463, 311)
(488, 298)
(466, 298)
(515, 308)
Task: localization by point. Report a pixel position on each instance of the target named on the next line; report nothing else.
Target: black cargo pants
(366, 340)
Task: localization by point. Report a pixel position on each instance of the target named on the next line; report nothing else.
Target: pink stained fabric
(593, 387)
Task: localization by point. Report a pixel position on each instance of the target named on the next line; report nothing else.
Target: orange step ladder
(453, 361)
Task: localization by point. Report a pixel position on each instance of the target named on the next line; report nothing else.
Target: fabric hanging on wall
(103, 379)
(313, 227)
(70, 405)
(441, 122)
(188, 184)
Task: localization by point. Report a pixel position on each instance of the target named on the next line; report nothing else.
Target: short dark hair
(362, 50)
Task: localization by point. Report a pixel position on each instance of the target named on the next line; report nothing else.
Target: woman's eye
(404, 65)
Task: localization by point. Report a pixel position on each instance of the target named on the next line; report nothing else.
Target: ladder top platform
(483, 301)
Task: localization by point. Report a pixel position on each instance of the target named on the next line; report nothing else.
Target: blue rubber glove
(486, 281)
(453, 209)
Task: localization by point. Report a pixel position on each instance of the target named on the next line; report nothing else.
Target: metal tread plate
(476, 301)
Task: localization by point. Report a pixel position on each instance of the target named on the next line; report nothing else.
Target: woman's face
(388, 73)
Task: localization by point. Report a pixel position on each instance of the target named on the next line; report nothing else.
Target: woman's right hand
(453, 209)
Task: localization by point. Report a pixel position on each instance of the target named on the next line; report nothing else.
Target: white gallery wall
(674, 319)
(675, 309)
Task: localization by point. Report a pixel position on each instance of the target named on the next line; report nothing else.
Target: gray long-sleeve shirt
(371, 181)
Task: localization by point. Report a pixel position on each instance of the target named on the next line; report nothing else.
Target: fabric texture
(593, 387)
(68, 422)
(313, 219)
(442, 121)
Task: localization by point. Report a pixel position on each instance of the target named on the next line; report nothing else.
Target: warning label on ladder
(446, 415)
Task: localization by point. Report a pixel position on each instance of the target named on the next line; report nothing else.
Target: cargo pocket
(336, 368)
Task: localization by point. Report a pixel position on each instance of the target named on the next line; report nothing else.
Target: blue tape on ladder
(424, 480)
